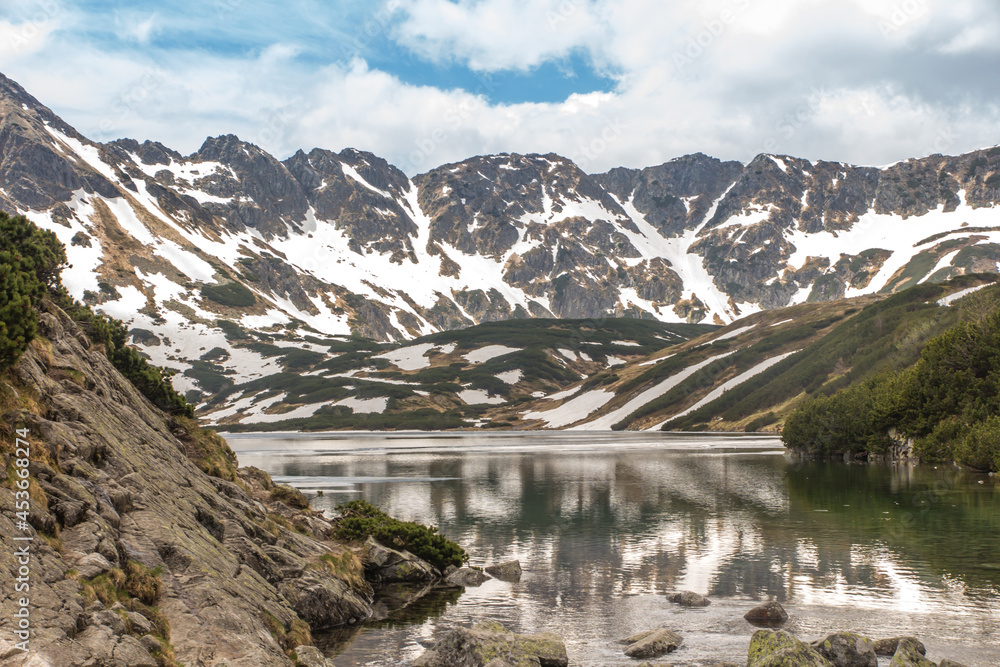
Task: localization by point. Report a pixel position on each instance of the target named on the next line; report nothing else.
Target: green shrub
(360, 520)
(979, 446)
(30, 262)
(229, 294)
(152, 381)
(290, 496)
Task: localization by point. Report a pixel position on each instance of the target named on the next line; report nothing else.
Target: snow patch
(573, 411)
(952, 298)
(487, 353)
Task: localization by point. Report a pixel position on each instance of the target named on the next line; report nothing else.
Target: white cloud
(24, 38)
(493, 35)
(731, 78)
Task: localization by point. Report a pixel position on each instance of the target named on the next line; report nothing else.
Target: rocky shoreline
(492, 645)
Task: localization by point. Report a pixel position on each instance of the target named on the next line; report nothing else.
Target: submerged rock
(509, 571)
(910, 653)
(491, 644)
(466, 576)
(689, 599)
(652, 643)
(777, 648)
(769, 613)
(846, 649)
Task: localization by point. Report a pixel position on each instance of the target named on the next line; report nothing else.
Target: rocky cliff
(138, 556)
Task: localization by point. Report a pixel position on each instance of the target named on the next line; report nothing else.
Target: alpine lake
(605, 525)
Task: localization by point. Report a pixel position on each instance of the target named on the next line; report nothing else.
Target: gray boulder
(492, 645)
(324, 601)
(777, 648)
(652, 643)
(92, 565)
(887, 647)
(769, 613)
(466, 576)
(388, 565)
(950, 663)
(509, 571)
(689, 599)
(846, 649)
(140, 624)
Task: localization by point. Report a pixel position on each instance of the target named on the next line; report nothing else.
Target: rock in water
(769, 613)
(492, 645)
(310, 656)
(689, 599)
(466, 576)
(846, 649)
(950, 663)
(652, 644)
(887, 647)
(388, 565)
(777, 648)
(909, 653)
(509, 571)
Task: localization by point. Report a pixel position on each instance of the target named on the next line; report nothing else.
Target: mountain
(211, 255)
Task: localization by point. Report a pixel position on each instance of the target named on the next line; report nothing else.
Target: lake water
(606, 524)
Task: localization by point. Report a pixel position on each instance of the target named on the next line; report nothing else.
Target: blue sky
(605, 82)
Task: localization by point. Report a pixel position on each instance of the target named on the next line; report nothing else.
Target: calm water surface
(605, 525)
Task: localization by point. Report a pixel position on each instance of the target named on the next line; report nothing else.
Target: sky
(605, 82)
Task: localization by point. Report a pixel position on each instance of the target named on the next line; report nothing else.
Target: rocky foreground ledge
(149, 547)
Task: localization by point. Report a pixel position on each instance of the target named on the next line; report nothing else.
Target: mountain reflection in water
(604, 525)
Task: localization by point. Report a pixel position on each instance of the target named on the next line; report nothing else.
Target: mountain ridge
(229, 243)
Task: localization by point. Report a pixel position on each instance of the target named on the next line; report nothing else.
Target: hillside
(230, 243)
(754, 373)
(446, 380)
(599, 375)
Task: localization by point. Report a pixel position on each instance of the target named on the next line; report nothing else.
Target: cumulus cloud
(863, 81)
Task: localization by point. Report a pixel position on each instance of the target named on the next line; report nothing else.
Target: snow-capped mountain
(198, 251)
